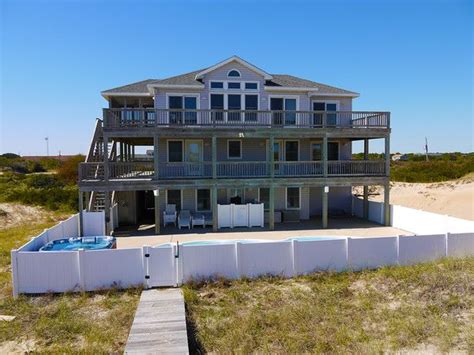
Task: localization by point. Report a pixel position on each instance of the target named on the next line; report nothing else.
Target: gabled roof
(237, 59)
(192, 80)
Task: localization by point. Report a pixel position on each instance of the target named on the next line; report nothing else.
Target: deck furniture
(169, 215)
(198, 220)
(184, 219)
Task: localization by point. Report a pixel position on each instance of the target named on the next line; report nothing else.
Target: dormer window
(234, 73)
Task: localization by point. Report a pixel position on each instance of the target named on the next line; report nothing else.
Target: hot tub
(87, 243)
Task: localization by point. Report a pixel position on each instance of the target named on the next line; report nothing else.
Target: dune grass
(427, 307)
(93, 322)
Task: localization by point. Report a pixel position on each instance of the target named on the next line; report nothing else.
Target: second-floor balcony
(134, 118)
(95, 171)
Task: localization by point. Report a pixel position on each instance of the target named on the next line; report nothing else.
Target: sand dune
(454, 198)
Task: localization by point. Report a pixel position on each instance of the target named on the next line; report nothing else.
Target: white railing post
(15, 275)
(146, 266)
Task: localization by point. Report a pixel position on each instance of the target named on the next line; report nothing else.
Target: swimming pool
(87, 243)
(248, 241)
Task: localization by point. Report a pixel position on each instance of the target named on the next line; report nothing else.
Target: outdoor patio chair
(169, 215)
(184, 219)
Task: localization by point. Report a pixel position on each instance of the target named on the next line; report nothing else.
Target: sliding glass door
(182, 106)
(285, 111)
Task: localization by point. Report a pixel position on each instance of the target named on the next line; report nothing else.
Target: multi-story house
(232, 133)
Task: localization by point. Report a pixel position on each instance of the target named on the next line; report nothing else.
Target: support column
(156, 193)
(155, 157)
(387, 155)
(121, 151)
(214, 207)
(106, 157)
(366, 149)
(271, 157)
(325, 206)
(386, 203)
(365, 204)
(214, 157)
(325, 155)
(81, 209)
(271, 212)
(129, 152)
(133, 152)
(107, 211)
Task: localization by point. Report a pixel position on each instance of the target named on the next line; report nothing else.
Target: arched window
(234, 73)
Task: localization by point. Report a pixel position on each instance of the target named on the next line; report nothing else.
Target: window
(331, 118)
(217, 103)
(234, 149)
(264, 197)
(291, 150)
(293, 198)
(173, 197)
(234, 73)
(333, 151)
(283, 104)
(316, 151)
(251, 86)
(234, 104)
(180, 102)
(232, 85)
(217, 85)
(203, 200)
(175, 151)
(251, 104)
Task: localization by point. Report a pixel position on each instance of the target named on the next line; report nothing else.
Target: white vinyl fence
(171, 265)
(413, 220)
(249, 215)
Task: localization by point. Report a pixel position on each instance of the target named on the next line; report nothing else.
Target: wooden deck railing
(117, 118)
(230, 169)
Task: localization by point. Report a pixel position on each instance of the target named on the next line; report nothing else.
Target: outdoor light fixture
(156, 193)
(326, 189)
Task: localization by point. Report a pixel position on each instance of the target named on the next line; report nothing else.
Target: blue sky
(413, 58)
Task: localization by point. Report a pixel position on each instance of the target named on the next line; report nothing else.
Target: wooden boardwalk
(160, 324)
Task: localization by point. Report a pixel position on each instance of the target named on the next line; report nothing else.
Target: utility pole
(426, 149)
(47, 146)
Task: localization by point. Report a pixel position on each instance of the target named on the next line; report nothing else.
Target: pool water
(87, 243)
(248, 241)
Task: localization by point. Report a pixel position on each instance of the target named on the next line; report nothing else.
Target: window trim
(196, 200)
(183, 95)
(286, 198)
(297, 97)
(319, 101)
(241, 148)
(181, 197)
(237, 70)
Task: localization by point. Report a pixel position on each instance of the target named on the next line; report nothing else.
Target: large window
(251, 104)
(264, 197)
(203, 200)
(173, 197)
(291, 150)
(293, 198)
(175, 151)
(217, 103)
(234, 103)
(288, 105)
(179, 103)
(234, 149)
(331, 118)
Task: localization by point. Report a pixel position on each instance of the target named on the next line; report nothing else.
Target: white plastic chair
(169, 215)
(184, 219)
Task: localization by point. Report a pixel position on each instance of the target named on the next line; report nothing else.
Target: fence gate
(160, 266)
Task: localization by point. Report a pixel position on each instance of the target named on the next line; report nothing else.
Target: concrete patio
(138, 236)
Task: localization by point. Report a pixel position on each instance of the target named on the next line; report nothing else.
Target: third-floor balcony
(135, 118)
